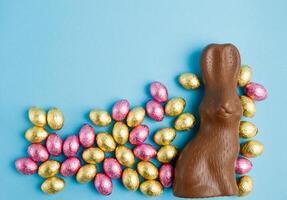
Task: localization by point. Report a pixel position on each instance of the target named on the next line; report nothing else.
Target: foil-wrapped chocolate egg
(158, 92)
(147, 170)
(174, 106)
(247, 129)
(138, 134)
(189, 81)
(93, 155)
(54, 144)
(155, 110)
(135, 117)
(255, 91)
(164, 136)
(37, 116)
(151, 188)
(38, 152)
(26, 166)
(243, 165)
(144, 152)
(103, 184)
(87, 136)
(36, 134)
(71, 145)
(125, 156)
(53, 185)
(86, 173)
(245, 75)
(245, 185)
(166, 153)
(55, 118)
(120, 132)
(49, 168)
(120, 110)
(112, 168)
(252, 148)
(184, 122)
(100, 117)
(166, 173)
(106, 142)
(130, 179)
(248, 105)
(70, 166)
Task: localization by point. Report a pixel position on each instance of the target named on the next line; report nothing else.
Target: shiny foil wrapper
(100, 117)
(158, 92)
(174, 106)
(106, 142)
(151, 188)
(135, 117)
(55, 119)
(147, 170)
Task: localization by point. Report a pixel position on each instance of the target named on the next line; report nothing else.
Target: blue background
(79, 55)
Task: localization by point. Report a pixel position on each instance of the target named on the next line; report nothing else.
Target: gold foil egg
(245, 75)
(125, 156)
(164, 136)
(135, 116)
(147, 170)
(151, 188)
(49, 168)
(120, 132)
(245, 185)
(166, 153)
(106, 142)
(53, 185)
(247, 129)
(93, 155)
(174, 106)
(55, 119)
(184, 122)
(36, 134)
(189, 81)
(252, 148)
(248, 105)
(100, 117)
(130, 179)
(37, 116)
(86, 173)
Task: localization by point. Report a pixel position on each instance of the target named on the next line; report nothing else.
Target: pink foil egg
(138, 134)
(87, 136)
(70, 166)
(166, 173)
(255, 91)
(144, 152)
(54, 144)
(120, 110)
(26, 166)
(243, 165)
(155, 110)
(71, 146)
(112, 168)
(159, 92)
(103, 184)
(38, 152)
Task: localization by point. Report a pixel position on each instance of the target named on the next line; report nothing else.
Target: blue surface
(79, 55)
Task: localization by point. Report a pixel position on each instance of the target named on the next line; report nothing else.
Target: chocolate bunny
(205, 167)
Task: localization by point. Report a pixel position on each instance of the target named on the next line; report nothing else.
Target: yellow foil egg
(100, 117)
(130, 179)
(151, 188)
(166, 153)
(135, 116)
(245, 75)
(120, 132)
(184, 122)
(125, 156)
(106, 142)
(252, 148)
(164, 136)
(147, 170)
(248, 105)
(49, 168)
(245, 185)
(36, 134)
(37, 116)
(53, 185)
(86, 173)
(189, 81)
(55, 119)
(174, 106)
(247, 129)
(93, 155)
